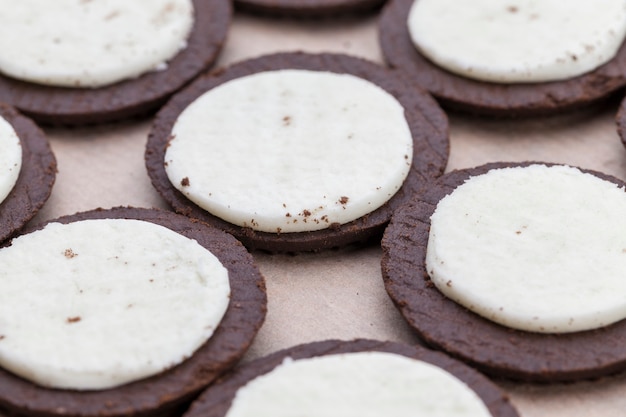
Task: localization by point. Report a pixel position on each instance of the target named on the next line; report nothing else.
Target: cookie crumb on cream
(519, 40)
(10, 158)
(291, 150)
(96, 304)
(538, 248)
(77, 43)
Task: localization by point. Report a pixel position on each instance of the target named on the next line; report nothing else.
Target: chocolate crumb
(512, 9)
(343, 200)
(306, 213)
(185, 182)
(286, 120)
(2, 336)
(69, 253)
(73, 319)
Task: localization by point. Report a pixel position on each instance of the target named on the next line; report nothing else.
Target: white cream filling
(99, 303)
(291, 150)
(541, 249)
(367, 384)
(10, 158)
(518, 40)
(90, 43)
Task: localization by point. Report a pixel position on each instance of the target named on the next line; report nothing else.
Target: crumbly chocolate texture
(495, 349)
(168, 393)
(216, 400)
(133, 97)
(427, 122)
(36, 178)
(526, 99)
(308, 8)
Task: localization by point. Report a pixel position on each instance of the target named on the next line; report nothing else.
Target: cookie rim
(36, 178)
(309, 9)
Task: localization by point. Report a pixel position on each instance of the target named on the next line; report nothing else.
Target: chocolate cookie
(490, 347)
(62, 105)
(525, 99)
(427, 123)
(308, 8)
(216, 400)
(37, 175)
(168, 392)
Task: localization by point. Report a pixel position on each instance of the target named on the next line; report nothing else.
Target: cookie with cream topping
(512, 232)
(146, 315)
(27, 170)
(507, 59)
(296, 152)
(91, 62)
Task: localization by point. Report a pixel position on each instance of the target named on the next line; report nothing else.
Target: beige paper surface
(339, 294)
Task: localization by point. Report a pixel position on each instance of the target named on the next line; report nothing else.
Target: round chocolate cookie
(216, 400)
(37, 175)
(427, 123)
(141, 95)
(524, 99)
(493, 348)
(308, 8)
(169, 392)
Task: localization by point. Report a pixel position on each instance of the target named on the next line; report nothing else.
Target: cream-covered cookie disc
(518, 40)
(291, 150)
(90, 43)
(534, 248)
(359, 384)
(10, 158)
(99, 303)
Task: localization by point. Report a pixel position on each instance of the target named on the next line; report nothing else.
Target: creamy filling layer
(518, 41)
(291, 150)
(86, 43)
(10, 158)
(100, 303)
(539, 248)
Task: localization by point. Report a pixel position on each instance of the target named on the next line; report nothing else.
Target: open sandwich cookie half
(517, 269)
(27, 170)
(297, 152)
(308, 8)
(528, 58)
(122, 312)
(81, 62)
(353, 378)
